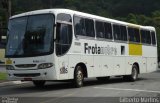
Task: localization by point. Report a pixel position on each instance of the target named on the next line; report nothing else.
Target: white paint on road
(122, 89)
(12, 83)
(17, 82)
(58, 98)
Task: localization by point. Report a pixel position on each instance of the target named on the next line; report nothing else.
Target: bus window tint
(100, 29)
(89, 25)
(137, 35)
(146, 37)
(84, 27)
(64, 38)
(153, 38)
(64, 17)
(134, 35)
(108, 30)
(116, 32)
(79, 26)
(143, 36)
(120, 32)
(123, 33)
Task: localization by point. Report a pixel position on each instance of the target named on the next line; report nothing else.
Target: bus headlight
(10, 67)
(45, 65)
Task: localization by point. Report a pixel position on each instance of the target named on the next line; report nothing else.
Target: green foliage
(3, 76)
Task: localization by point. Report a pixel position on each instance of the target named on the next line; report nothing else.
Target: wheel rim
(79, 77)
(134, 73)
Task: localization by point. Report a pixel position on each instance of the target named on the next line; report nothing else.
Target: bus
(2, 45)
(63, 44)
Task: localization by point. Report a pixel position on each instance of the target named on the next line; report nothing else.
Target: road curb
(10, 83)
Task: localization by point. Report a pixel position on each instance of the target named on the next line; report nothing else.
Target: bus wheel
(39, 83)
(103, 79)
(134, 75)
(78, 77)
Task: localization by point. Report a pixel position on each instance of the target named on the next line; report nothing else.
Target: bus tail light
(45, 65)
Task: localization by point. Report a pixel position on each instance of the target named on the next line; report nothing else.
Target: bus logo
(99, 50)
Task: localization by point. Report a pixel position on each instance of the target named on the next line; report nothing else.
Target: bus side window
(63, 38)
(79, 26)
(63, 33)
(116, 31)
(153, 38)
(134, 35)
(108, 30)
(143, 37)
(64, 17)
(137, 35)
(120, 32)
(100, 29)
(89, 25)
(84, 26)
(148, 37)
(123, 33)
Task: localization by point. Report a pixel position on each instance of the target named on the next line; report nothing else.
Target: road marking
(55, 100)
(17, 82)
(12, 83)
(134, 90)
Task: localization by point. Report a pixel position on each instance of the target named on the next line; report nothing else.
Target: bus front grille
(25, 65)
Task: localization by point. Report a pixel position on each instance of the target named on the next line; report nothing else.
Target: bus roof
(72, 12)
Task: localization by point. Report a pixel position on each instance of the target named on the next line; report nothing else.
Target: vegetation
(3, 76)
(143, 12)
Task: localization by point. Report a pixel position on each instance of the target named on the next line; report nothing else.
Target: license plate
(28, 79)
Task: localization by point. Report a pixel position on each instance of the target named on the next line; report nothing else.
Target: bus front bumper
(29, 75)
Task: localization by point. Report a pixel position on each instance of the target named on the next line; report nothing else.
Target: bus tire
(103, 79)
(134, 74)
(78, 77)
(39, 83)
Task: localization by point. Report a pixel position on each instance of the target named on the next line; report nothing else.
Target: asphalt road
(116, 90)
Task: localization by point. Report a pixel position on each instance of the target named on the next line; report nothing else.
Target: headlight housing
(45, 65)
(10, 67)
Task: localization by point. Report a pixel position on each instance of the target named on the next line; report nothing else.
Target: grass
(3, 76)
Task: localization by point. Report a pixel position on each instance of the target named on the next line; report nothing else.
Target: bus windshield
(30, 36)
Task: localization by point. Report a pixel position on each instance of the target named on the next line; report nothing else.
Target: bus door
(63, 44)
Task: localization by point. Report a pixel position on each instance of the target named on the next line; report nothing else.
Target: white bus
(62, 44)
